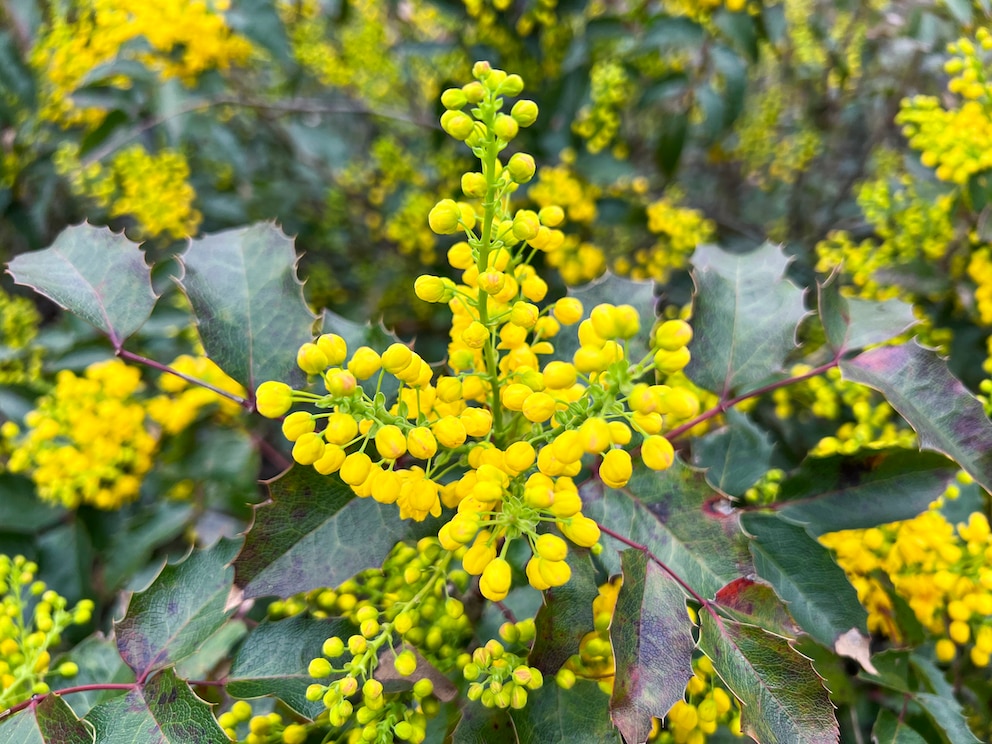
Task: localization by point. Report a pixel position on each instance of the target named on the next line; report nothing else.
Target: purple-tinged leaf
(164, 710)
(946, 417)
(565, 616)
(783, 698)
(314, 532)
(652, 646)
(755, 602)
(183, 607)
(750, 313)
(248, 303)
(679, 518)
(94, 273)
(51, 721)
(850, 323)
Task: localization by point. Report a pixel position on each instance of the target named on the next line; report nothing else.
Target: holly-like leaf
(816, 590)
(652, 646)
(565, 616)
(844, 493)
(679, 518)
(614, 290)
(315, 532)
(184, 606)
(891, 729)
(946, 417)
(783, 699)
(755, 602)
(164, 710)
(94, 273)
(273, 660)
(49, 722)
(736, 456)
(248, 303)
(556, 716)
(850, 323)
(750, 312)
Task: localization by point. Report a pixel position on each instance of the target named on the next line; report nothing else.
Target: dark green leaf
(816, 590)
(99, 662)
(314, 532)
(556, 716)
(135, 537)
(736, 456)
(479, 725)
(49, 722)
(850, 323)
(889, 729)
(679, 518)
(783, 698)
(671, 139)
(182, 608)
(615, 290)
(565, 616)
(755, 602)
(845, 493)
(947, 714)
(652, 646)
(274, 658)
(20, 508)
(95, 274)
(946, 417)
(162, 711)
(750, 313)
(248, 303)
(212, 652)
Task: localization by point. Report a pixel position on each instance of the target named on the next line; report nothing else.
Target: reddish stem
(138, 359)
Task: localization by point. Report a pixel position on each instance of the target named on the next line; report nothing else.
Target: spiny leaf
(679, 518)
(49, 722)
(652, 646)
(828, 494)
(614, 290)
(946, 417)
(164, 710)
(182, 608)
(736, 456)
(755, 602)
(95, 274)
(273, 660)
(750, 313)
(816, 589)
(565, 616)
(248, 303)
(315, 532)
(850, 323)
(783, 699)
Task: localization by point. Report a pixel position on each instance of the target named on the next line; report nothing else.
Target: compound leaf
(652, 646)
(48, 722)
(946, 417)
(183, 607)
(164, 710)
(314, 532)
(273, 660)
(94, 273)
(248, 303)
(750, 312)
(783, 699)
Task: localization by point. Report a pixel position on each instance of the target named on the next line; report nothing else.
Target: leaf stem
(724, 405)
(138, 359)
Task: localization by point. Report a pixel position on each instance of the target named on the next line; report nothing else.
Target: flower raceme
(499, 437)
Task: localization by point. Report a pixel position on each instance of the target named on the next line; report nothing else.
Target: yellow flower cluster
(945, 576)
(86, 441)
(20, 361)
(183, 402)
(701, 10)
(980, 271)
(679, 230)
(875, 424)
(32, 620)
(707, 707)
(594, 659)
(176, 39)
(151, 188)
(262, 728)
(610, 88)
(500, 437)
(955, 140)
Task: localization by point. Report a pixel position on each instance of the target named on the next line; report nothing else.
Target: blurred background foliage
(856, 133)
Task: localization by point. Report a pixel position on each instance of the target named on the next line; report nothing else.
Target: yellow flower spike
(311, 359)
(297, 424)
(273, 399)
(616, 468)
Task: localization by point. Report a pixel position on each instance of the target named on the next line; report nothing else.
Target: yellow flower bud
(581, 530)
(450, 431)
(474, 185)
(390, 442)
(334, 347)
(511, 86)
(519, 457)
(513, 396)
(479, 555)
(603, 319)
(552, 216)
(364, 363)
(491, 282)
(421, 443)
(339, 382)
(672, 335)
(444, 216)
(538, 407)
(273, 398)
(524, 112)
(555, 573)
(524, 314)
(460, 255)
(297, 424)
(311, 359)
(308, 449)
(495, 581)
(534, 288)
(559, 375)
(525, 225)
(454, 98)
(475, 335)
(396, 357)
(458, 124)
(355, 468)
(550, 547)
(626, 321)
(616, 468)
(433, 288)
(567, 447)
(533, 572)
(477, 421)
(474, 92)
(657, 453)
(331, 460)
(521, 169)
(505, 127)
